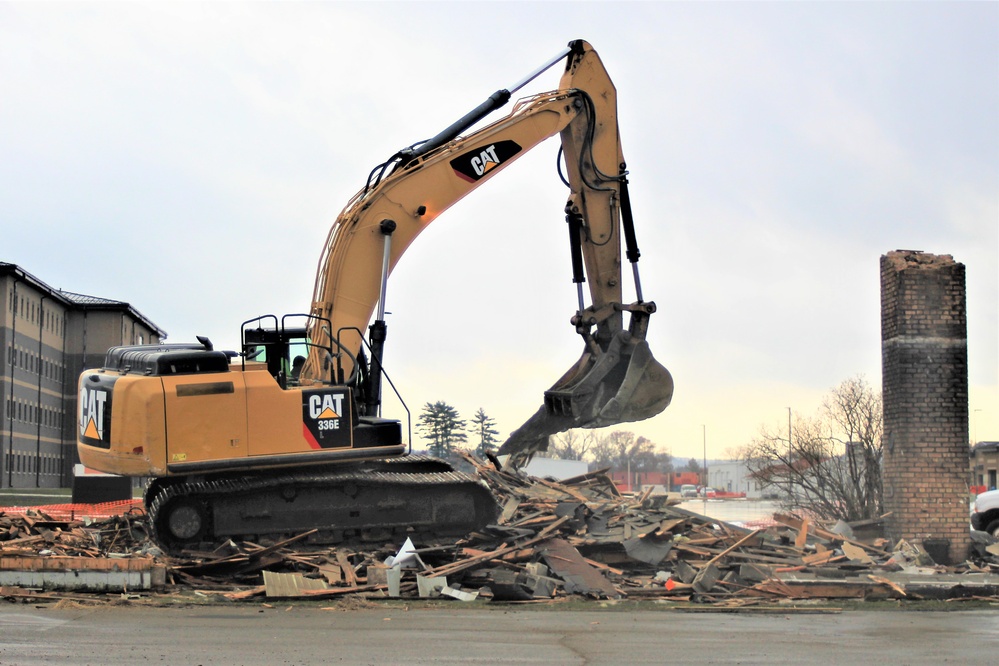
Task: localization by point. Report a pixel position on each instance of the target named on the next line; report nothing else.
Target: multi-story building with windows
(48, 336)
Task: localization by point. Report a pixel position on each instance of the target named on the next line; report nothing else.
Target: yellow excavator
(287, 436)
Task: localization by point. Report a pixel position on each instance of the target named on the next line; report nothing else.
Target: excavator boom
(616, 379)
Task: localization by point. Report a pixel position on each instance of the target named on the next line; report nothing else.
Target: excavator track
(423, 498)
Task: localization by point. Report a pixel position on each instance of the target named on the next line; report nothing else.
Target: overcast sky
(189, 159)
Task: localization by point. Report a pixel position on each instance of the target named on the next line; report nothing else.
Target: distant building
(638, 481)
(985, 465)
(48, 337)
(686, 479)
(734, 476)
(556, 469)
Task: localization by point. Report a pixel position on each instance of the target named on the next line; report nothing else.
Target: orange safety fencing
(78, 511)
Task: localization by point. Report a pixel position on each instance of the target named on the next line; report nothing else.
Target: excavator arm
(616, 378)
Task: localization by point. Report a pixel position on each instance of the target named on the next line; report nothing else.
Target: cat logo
(326, 419)
(325, 406)
(485, 161)
(93, 403)
(480, 162)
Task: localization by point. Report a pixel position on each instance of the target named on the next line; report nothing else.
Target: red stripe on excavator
(309, 438)
(467, 179)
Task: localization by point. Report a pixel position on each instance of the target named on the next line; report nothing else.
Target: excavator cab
(283, 346)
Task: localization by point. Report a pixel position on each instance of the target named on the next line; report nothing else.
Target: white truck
(985, 517)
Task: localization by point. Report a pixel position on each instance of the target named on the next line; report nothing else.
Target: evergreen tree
(484, 429)
(441, 426)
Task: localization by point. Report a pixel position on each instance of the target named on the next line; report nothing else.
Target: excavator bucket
(624, 383)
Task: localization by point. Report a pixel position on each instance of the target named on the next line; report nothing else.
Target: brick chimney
(924, 358)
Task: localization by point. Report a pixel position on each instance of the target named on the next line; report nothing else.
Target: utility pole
(704, 460)
(790, 460)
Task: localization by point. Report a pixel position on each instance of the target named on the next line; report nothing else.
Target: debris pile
(39, 553)
(574, 539)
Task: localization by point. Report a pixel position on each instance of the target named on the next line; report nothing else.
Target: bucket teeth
(624, 383)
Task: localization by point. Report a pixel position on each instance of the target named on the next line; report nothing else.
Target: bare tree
(602, 454)
(856, 412)
(737, 453)
(622, 451)
(831, 463)
(571, 444)
(637, 453)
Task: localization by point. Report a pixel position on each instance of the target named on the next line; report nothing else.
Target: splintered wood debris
(578, 538)
(38, 552)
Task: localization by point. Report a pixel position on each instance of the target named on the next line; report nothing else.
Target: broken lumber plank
(332, 574)
(795, 523)
(604, 567)
(551, 528)
(667, 525)
(766, 559)
(281, 544)
(341, 591)
(454, 567)
(545, 518)
(571, 492)
(811, 589)
(245, 594)
(23, 541)
(644, 496)
(738, 543)
(825, 557)
(543, 514)
(802, 538)
(349, 576)
(231, 566)
(856, 553)
(884, 581)
(579, 576)
(676, 589)
(598, 481)
(509, 510)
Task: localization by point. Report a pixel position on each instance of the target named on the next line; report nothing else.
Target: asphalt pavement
(286, 634)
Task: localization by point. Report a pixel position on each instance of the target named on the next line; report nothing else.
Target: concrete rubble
(555, 541)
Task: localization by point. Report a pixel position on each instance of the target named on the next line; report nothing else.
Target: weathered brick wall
(925, 391)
